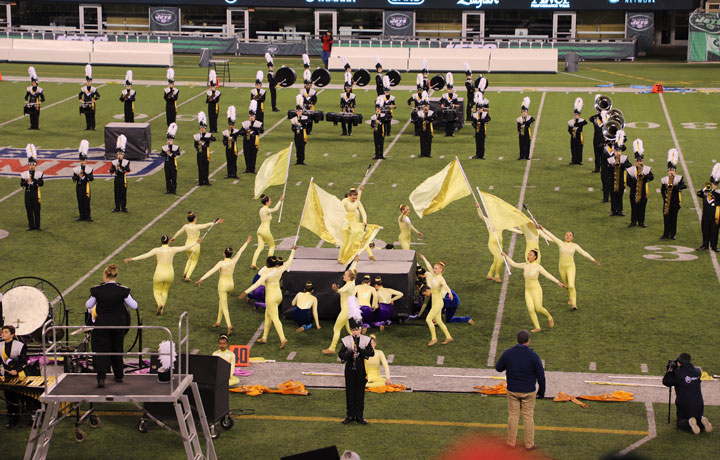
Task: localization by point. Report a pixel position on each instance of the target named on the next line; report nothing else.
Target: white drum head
(26, 308)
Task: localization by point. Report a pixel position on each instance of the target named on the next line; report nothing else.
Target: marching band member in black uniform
(377, 123)
(299, 124)
(379, 84)
(671, 189)
(348, 75)
(480, 119)
(638, 177)
(202, 142)
(127, 97)
(598, 138)
(415, 102)
(449, 102)
(14, 359)
(213, 101)
(171, 97)
(575, 128)
(308, 94)
(347, 105)
(88, 95)
(272, 82)
(425, 80)
(107, 304)
(170, 152)
(617, 166)
(31, 180)
(524, 123)
(120, 168)
(388, 105)
(606, 175)
(250, 131)
(425, 120)
(711, 210)
(355, 349)
(82, 176)
(258, 94)
(33, 98)
(230, 136)
(470, 87)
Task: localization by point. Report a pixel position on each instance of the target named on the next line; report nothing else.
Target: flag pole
(536, 224)
(472, 192)
(366, 174)
(287, 174)
(297, 234)
(492, 228)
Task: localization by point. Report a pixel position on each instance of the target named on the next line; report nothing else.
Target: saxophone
(477, 124)
(522, 127)
(639, 185)
(617, 173)
(668, 195)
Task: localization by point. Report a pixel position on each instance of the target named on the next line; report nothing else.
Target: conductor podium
(320, 266)
(138, 140)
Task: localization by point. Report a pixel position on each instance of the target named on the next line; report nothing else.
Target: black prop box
(138, 140)
(459, 118)
(319, 265)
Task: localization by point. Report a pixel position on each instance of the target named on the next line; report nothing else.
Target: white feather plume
(202, 119)
(172, 129)
(88, 71)
(486, 102)
(425, 66)
(128, 76)
(579, 104)
(213, 77)
(170, 75)
(526, 102)
(32, 73)
(478, 98)
(620, 137)
(716, 172)
(380, 101)
(354, 308)
(121, 142)
(345, 62)
(31, 151)
(259, 75)
(483, 84)
(307, 75)
(299, 100)
(419, 79)
(604, 116)
(672, 156)
(386, 81)
(253, 106)
(467, 68)
(348, 78)
(167, 354)
(84, 147)
(449, 79)
(377, 60)
(268, 58)
(306, 59)
(425, 96)
(231, 114)
(638, 146)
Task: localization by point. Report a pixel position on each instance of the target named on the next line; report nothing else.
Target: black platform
(139, 140)
(459, 113)
(135, 387)
(319, 265)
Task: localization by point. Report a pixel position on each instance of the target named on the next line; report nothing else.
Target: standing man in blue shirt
(522, 368)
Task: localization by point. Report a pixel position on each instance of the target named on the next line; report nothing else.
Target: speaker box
(326, 453)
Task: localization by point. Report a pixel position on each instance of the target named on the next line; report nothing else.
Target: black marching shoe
(125, 210)
(642, 225)
(347, 420)
(116, 210)
(119, 379)
(361, 420)
(702, 248)
(101, 383)
(632, 224)
(664, 237)
(622, 214)
(672, 237)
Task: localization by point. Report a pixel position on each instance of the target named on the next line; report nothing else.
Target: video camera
(672, 365)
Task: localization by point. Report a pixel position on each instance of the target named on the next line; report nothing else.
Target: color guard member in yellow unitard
(533, 291)
(225, 282)
(372, 367)
(273, 297)
(305, 310)
(405, 227)
(353, 230)
(367, 300)
(228, 356)
(439, 287)
(192, 230)
(497, 265)
(263, 232)
(342, 318)
(164, 274)
(566, 264)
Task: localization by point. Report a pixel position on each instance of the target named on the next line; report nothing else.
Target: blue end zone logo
(60, 163)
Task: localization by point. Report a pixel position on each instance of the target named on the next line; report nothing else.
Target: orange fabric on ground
(290, 387)
(499, 389)
(387, 388)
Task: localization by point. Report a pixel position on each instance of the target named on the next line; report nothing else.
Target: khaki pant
(517, 403)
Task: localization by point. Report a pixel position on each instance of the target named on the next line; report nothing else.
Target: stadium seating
(57, 51)
(121, 53)
(524, 60)
(5, 47)
(450, 59)
(364, 58)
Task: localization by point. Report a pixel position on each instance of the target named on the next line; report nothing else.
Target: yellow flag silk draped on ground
(272, 172)
(440, 190)
(324, 215)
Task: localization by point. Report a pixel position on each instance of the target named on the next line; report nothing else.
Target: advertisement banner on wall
(399, 23)
(165, 18)
(704, 39)
(641, 26)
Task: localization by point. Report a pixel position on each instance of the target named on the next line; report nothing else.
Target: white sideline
(652, 430)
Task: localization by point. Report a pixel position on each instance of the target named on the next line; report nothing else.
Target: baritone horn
(603, 103)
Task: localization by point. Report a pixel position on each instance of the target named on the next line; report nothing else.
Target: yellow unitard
(566, 264)
(225, 283)
(342, 318)
(532, 239)
(366, 295)
(307, 301)
(273, 296)
(372, 367)
(353, 230)
(164, 274)
(533, 290)
(229, 356)
(192, 230)
(405, 227)
(439, 289)
(263, 232)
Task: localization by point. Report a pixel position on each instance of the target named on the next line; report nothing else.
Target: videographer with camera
(685, 377)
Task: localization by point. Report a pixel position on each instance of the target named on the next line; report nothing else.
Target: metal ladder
(45, 420)
(222, 72)
(184, 414)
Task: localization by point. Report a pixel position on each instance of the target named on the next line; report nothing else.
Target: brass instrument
(617, 115)
(668, 196)
(639, 184)
(610, 129)
(603, 103)
(707, 187)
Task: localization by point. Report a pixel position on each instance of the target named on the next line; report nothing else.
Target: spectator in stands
(327, 43)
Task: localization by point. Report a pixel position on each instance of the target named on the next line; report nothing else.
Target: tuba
(603, 103)
(610, 129)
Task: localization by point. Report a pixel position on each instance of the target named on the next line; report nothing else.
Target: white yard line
(696, 202)
(9, 195)
(652, 430)
(587, 78)
(506, 278)
(45, 107)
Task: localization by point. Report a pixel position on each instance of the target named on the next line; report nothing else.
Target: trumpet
(707, 187)
(610, 129)
(603, 103)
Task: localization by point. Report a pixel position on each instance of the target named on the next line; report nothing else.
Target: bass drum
(437, 82)
(361, 77)
(24, 304)
(394, 77)
(285, 76)
(320, 77)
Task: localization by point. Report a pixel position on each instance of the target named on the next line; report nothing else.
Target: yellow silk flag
(440, 190)
(364, 235)
(273, 171)
(502, 214)
(323, 214)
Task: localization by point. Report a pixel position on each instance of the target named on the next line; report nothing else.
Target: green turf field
(633, 309)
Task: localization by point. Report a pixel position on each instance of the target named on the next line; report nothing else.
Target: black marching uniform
(213, 106)
(524, 135)
(14, 358)
(127, 97)
(33, 98)
(617, 166)
(480, 121)
(170, 154)
(710, 220)
(416, 101)
(448, 103)
(250, 132)
(171, 97)
(347, 105)
(577, 140)
(598, 142)
(387, 108)
(425, 123)
(82, 176)
(272, 83)
(202, 146)
(309, 100)
(470, 87)
(110, 310)
(88, 95)
(120, 169)
(259, 95)
(377, 123)
(299, 129)
(637, 182)
(606, 175)
(379, 87)
(671, 189)
(230, 136)
(31, 181)
(353, 353)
